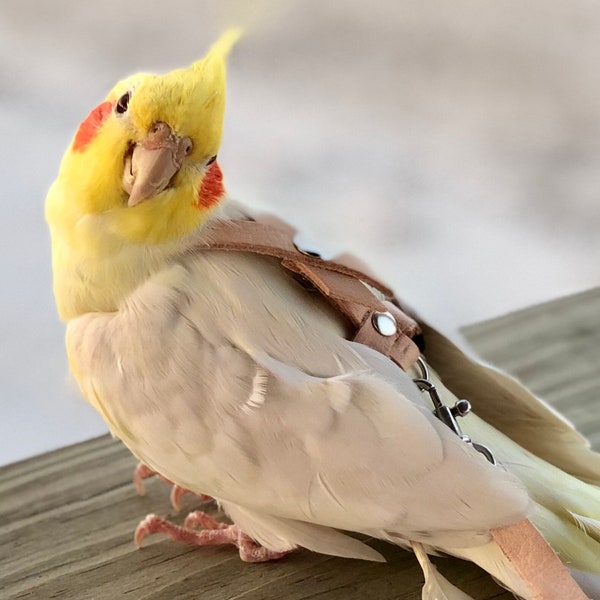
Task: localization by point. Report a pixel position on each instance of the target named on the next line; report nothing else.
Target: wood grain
(67, 518)
(554, 349)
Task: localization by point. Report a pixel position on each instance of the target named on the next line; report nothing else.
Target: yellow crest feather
(96, 237)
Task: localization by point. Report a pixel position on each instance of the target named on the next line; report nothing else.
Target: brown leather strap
(274, 240)
(341, 284)
(536, 562)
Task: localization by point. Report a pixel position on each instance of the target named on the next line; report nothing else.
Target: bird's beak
(153, 162)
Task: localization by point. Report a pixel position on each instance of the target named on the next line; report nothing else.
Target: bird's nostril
(186, 146)
(159, 128)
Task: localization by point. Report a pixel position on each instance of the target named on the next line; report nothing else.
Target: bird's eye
(211, 160)
(123, 103)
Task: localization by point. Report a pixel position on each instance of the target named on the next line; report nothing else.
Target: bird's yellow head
(137, 182)
(145, 158)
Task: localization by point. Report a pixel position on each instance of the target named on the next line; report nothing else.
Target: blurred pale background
(453, 145)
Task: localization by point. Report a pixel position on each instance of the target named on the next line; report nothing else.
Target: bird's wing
(228, 377)
(505, 404)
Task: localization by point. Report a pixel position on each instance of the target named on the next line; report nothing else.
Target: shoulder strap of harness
(369, 305)
(379, 323)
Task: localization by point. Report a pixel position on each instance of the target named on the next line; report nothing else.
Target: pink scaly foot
(213, 533)
(200, 520)
(142, 472)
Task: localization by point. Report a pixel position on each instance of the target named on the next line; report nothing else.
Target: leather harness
(369, 306)
(379, 322)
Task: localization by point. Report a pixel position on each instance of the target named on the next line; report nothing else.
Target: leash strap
(536, 562)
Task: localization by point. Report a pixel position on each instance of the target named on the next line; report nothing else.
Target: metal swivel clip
(446, 414)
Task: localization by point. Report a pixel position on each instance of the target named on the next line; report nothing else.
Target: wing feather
(508, 406)
(226, 376)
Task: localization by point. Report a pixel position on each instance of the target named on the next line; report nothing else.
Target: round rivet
(308, 251)
(304, 245)
(384, 323)
(461, 408)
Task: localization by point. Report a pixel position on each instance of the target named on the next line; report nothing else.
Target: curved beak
(153, 162)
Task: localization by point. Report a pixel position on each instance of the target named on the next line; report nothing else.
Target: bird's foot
(212, 533)
(142, 472)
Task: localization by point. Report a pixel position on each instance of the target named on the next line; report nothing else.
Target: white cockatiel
(223, 374)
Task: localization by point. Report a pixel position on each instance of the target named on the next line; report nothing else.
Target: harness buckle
(446, 414)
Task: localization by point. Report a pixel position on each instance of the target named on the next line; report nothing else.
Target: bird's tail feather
(491, 559)
(573, 537)
(588, 525)
(566, 510)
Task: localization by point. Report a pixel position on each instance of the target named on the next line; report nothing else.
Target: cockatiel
(223, 373)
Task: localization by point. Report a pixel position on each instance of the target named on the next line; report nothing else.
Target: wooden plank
(67, 517)
(66, 525)
(554, 349)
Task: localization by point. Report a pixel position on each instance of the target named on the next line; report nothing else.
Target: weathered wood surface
(67, 517)
(554, 349)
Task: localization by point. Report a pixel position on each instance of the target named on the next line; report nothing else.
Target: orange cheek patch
(89, 128)
(212, 189)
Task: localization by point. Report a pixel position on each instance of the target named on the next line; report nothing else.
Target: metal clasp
(447, 414)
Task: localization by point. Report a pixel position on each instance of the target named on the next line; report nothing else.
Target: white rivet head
(384, 323)
(308, 251)
(304, 245)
